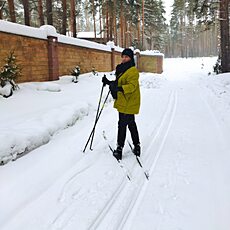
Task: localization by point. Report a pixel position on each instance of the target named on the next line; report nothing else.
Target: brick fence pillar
(53, 58)
(112, 59)
(138, 60)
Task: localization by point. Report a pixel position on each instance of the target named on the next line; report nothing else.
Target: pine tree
(207, 14)
(193, 29)
(155, 26)
(10, 71)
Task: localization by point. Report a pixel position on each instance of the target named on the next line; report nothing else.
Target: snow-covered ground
(184, 125)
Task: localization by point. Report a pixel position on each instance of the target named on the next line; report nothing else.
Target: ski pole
(99, 114)
(98, 107)
(94, 127)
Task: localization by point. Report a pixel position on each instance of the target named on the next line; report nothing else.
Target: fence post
(138, 60)
(53, 63)
(112, 59)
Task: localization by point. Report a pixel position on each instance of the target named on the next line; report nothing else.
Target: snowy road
(189, 188)
(185, 149)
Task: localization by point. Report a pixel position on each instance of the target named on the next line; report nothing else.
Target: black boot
(137, 150)
(117, 153)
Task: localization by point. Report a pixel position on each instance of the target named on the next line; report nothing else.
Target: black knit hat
(127, 52)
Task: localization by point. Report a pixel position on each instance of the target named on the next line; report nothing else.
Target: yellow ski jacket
(128, 102)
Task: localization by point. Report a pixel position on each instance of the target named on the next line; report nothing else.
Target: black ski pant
(124, 121)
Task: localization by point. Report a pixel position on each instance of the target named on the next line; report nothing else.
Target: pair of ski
(124, 168)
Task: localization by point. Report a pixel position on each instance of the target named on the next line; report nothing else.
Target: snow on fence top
(89, 34)
(82, 43)
(15, 28)
(48, 30)
(152, 53)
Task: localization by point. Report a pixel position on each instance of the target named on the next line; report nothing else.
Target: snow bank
(37, 131)
(219, 96)
(220, 80)
(39, 110)
(43, 86)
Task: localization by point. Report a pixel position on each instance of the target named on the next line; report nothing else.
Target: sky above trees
(168, 4)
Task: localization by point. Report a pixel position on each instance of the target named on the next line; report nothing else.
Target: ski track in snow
(71, 193)
(161, 134)
(107, 200)
(137, 191)
(115, 205)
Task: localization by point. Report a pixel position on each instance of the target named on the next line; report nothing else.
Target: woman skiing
(126, 92)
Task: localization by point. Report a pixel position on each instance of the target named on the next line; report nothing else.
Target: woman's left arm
(131, 82)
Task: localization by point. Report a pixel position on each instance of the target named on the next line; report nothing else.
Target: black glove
(114, 89)
(105, 81)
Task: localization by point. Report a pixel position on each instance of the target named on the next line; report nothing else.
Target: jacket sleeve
(131, 82)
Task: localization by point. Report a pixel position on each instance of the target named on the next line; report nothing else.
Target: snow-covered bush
(94, 72)
(217, 67)
(75, 73)
(6, 90)
(8, 74)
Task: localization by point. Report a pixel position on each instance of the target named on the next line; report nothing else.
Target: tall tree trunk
(125, 32)
(111, 16)
(151, 41)
(107, 21)
(115, 21)
(121, 24)
(12, 10)
(94, 21)
(26, 12)
(103, 13)
(139, 28)
(182, 31)
(73, 18)
(87, 17)
(143, 22)
(49, 12)
(40, 13)
(64, 17)
(100, 22)
(130, 35)
(224, 34)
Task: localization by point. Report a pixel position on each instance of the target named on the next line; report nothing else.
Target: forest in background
(196, 28)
